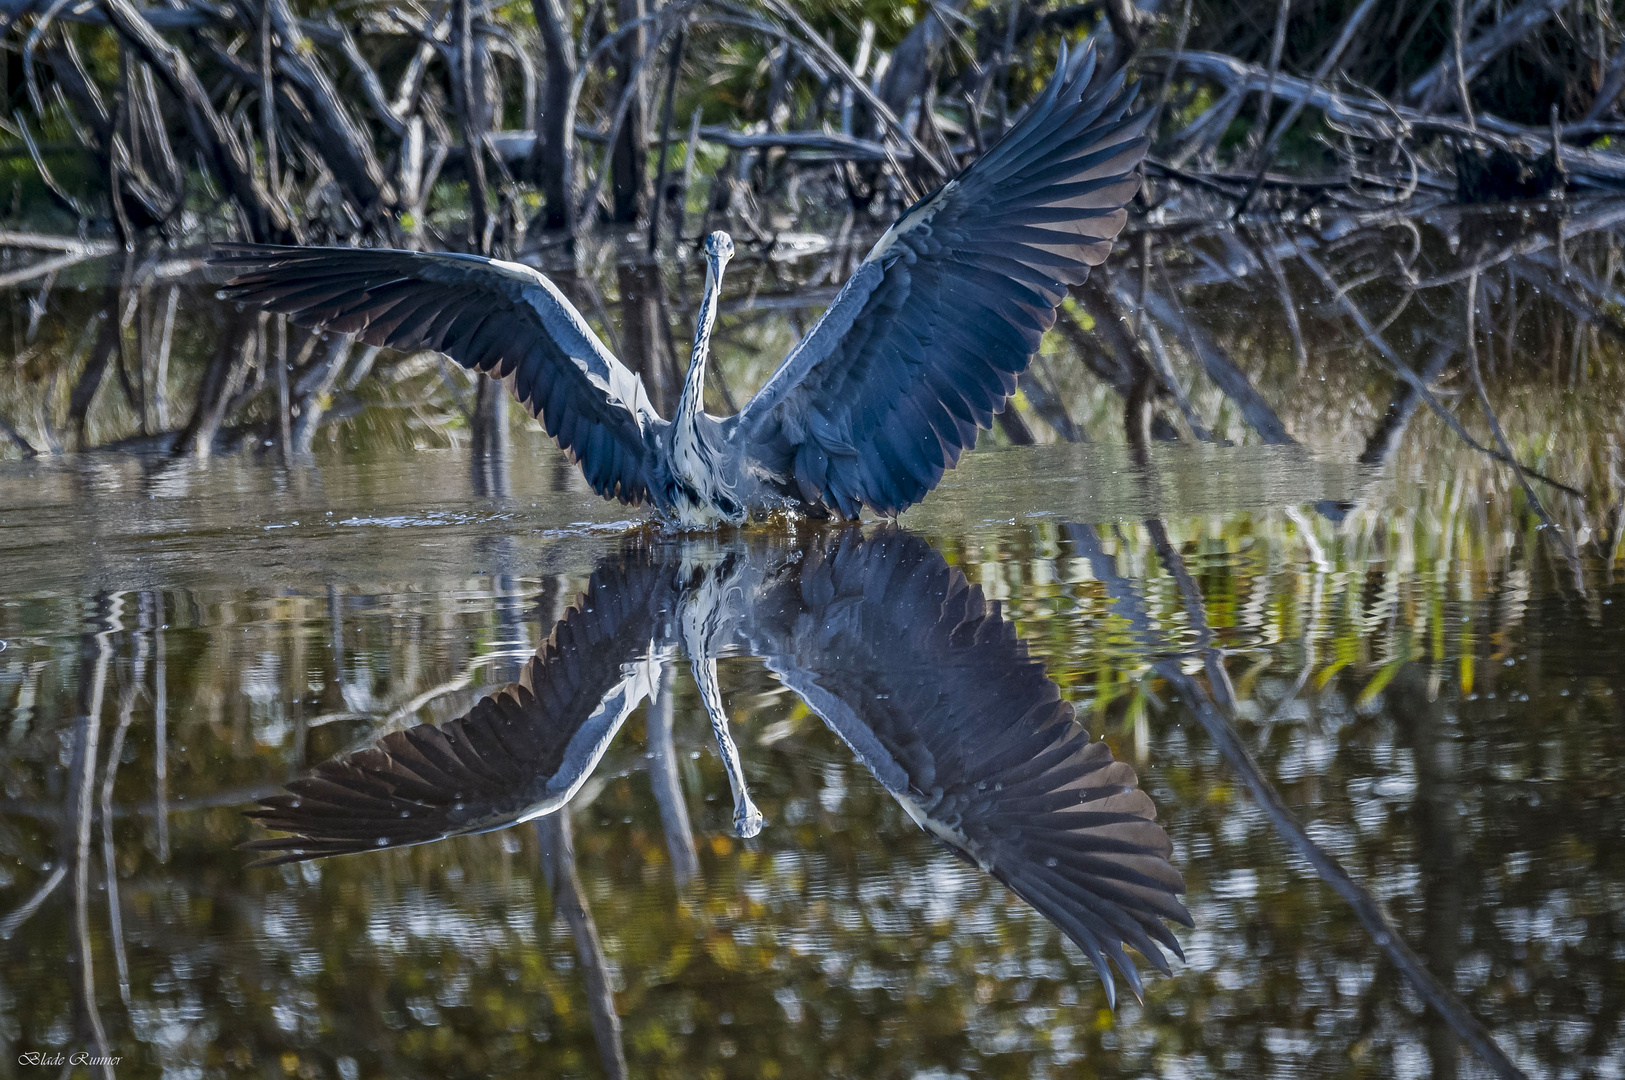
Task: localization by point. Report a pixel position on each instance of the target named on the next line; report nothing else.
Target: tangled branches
(444, 123)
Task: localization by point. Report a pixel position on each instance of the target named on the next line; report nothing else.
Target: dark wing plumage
(930, 686)
(515, 751)
(926, 340)
(500, 318)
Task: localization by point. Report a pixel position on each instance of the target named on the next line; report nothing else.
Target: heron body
(921, 347)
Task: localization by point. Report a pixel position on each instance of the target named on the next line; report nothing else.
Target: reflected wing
(925, 341)
(520, 753)
(936, 695)
(500, 318)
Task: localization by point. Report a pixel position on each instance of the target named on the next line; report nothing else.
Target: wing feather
(930, 686)
(500, 318)
(512, 752)
(947, 310)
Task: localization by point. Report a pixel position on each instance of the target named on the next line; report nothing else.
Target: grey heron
(919, 349)
(904, 659)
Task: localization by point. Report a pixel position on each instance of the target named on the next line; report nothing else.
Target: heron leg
(747, 819)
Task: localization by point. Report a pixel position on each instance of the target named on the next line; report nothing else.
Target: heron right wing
(930, 687)
(500, 318)
(519, 753)
(926, 340)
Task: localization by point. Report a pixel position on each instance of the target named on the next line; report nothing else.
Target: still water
(1179, 693)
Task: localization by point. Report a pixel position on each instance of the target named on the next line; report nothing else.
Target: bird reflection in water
(919, 674)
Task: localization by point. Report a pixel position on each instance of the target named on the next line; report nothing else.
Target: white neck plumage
(693, 458)
(693, 397)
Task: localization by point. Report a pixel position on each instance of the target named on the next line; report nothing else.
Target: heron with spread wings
(921, 347)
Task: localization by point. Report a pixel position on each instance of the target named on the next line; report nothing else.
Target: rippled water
(1430, 683)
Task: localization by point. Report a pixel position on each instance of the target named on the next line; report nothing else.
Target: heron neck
(689, 405)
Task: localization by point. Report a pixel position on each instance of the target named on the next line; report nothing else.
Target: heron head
(719, 248)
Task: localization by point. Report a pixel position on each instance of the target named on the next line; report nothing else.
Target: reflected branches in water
(1216, 720)
(840, 909)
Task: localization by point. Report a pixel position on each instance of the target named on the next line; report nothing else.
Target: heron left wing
(519, 753)
(925, 341)
(928, 684)
(500, 318)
